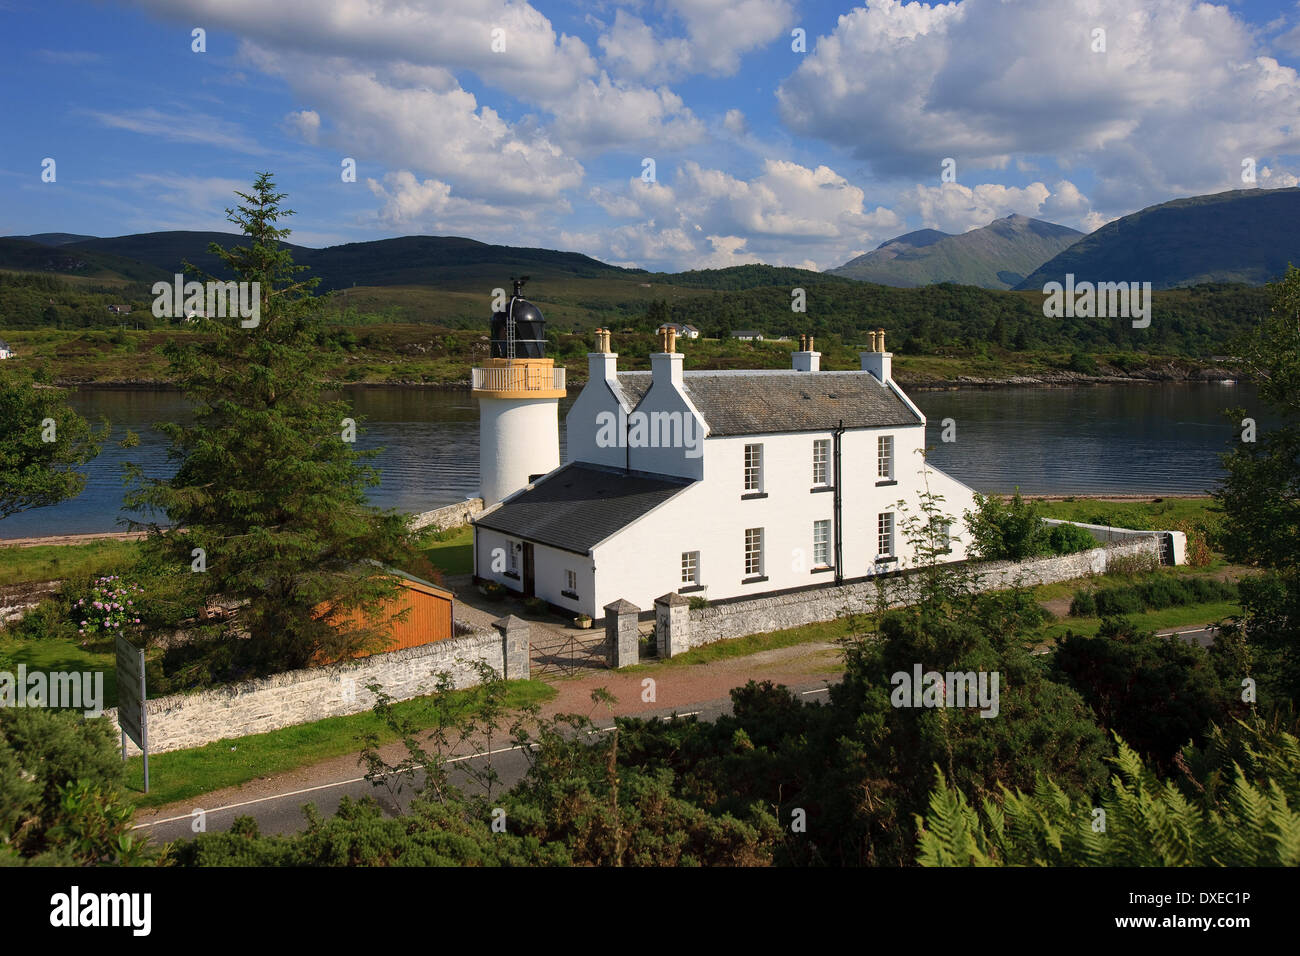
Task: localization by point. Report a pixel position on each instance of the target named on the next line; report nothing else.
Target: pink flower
(83, 623)
(137, 620)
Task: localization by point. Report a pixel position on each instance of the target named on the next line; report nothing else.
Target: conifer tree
(268, 503)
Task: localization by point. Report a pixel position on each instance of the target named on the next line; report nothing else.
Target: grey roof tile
(580, 505)
(744, 402)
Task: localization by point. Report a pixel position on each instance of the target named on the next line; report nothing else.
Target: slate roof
(580, 505)
(745, 402)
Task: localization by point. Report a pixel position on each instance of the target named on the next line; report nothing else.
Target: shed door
(528, 569)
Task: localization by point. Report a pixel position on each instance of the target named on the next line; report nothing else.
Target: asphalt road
(282, 813)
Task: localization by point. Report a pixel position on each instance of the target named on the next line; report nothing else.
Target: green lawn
(753, 644)
(60, 655)
(183, 774)
(59, 561)
(1156, 514)
(455, 553)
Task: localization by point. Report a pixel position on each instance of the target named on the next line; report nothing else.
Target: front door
(528, 569)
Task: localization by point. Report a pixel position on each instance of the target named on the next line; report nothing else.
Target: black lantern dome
(519, 331)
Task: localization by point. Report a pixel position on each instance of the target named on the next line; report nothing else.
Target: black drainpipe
(839, 536)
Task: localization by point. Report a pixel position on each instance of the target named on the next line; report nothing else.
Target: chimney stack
(602, 363)
(877, 361)
(806, 360)
(667, 362)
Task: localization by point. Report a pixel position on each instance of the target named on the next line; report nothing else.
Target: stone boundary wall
(449, 516)
(180, 721)
(781, 611)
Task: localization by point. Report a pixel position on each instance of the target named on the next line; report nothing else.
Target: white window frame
(512, 556)
(885, 457)
(691, 568)
(754, 467)
(821, 458)
(824, 526)
(571, 580)
(885, 535)
(753, 552)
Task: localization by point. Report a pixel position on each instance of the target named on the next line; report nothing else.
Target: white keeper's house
(720, 484)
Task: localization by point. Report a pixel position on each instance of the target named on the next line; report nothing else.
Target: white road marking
(344, 783)
(323, 786)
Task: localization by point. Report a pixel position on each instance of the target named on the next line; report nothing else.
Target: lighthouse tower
(518, 392)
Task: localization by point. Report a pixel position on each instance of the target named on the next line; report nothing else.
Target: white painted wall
(643, 561)
(595, 398)
(548, 575)
(666, 398)
(518, 437)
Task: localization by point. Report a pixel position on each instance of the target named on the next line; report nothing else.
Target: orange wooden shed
(430, 610)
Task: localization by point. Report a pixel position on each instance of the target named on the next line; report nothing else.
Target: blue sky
(762, 153)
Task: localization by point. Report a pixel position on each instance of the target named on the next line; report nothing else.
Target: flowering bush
(110, 607)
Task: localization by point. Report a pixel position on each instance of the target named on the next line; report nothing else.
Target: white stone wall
(449, 516)
(778, 612)
(181, 721)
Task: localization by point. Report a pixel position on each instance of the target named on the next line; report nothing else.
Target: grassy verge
(183, 774)
(1186, 615)
(58, 561)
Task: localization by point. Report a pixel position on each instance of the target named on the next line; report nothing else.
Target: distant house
(119, 309)
(747, 335)
(5, 350)
(683, 331)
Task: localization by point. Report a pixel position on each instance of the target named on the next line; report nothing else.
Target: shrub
(1069, 539)
(1006, 530)
(699, 603)
(108, 608)
(1153, 594)
(1083, 605)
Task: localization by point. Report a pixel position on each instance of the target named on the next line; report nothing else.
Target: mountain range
(997, 256)
(1243, 235)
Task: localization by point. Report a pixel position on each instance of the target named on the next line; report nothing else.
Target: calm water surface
(1120, 439)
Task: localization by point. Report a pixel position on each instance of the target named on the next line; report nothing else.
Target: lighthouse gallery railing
(517, 378)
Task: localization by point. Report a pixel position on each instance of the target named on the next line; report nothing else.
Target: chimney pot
(880, 340)
(810, 344)
(672, 339)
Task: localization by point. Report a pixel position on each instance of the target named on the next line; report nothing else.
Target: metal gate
(570, 654)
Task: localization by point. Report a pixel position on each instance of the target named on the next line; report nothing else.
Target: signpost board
(130, 700)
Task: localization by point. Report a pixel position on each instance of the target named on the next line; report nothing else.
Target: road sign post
(131, 697)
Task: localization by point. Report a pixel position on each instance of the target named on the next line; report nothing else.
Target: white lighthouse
(518, 392)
